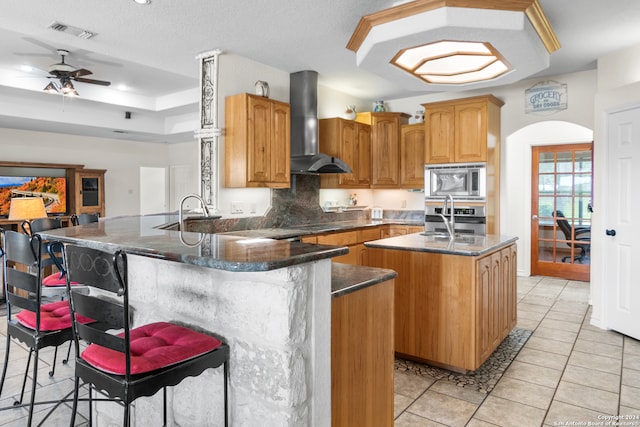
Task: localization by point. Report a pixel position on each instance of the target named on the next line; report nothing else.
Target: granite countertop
(471, 245)
(141, 235)
(311, 229)
(347, 278)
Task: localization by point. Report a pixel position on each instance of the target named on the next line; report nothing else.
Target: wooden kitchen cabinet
(393, 230)
(89, 189)
(354, 240)
(257, 142)
(412, 155)
(362, 357)
(451, 310)
(349, 141)
(385, 147)
(462, 130)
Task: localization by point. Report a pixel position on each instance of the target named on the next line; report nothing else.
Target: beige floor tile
(565, 317)
(631, 346)
(528, 281)
(552, 281)
(631, 377)
(450, 389)
(594, 399)
(601, 336)
(630, 397)
(505, 412)
(551, 346)
(546, 292)
(574, 295)
(533, 307)
(531, 315)
(542, 358)
(479, 423)
(524, 392)
(443, 409)
(556, 335)
(571, 307)
(593, 361)
(534, 374)
(537, 300)
(631, 361)
(410, 385)
(411, 420)
(529, 325)
(600, 349)
(592, 378)
(400, 403)
(562, 414)
(635, 413)
(560, 324)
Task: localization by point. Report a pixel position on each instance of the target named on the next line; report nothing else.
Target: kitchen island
(455, 299)
(270, 300)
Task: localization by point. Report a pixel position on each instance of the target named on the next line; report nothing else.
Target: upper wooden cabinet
(412, 153)
(257, 142)
(462, 130)
(349, 141)
(385, 147)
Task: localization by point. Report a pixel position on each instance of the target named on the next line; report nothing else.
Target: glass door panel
(561, 218)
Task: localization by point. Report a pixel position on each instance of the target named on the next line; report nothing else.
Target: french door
(562, 177)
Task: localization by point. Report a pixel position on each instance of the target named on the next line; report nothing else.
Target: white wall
(121, 159)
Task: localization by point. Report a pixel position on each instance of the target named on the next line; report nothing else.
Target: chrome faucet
(195, 196)
(450, 222)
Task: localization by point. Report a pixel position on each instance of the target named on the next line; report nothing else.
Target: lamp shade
(27, 208)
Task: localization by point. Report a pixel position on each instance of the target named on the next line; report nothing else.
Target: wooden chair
(29, 321)
(126, 366)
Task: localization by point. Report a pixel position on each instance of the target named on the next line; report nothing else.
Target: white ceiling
(152, 49)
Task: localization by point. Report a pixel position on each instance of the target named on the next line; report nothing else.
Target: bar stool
(35, 324)
(137, 361)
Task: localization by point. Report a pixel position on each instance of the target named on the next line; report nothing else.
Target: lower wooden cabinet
(358, 252)
(451, 310)
(362, 357)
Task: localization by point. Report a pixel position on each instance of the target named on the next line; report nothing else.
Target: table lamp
(27, 208)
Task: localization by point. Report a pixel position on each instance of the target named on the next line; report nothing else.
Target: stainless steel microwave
(465, 181)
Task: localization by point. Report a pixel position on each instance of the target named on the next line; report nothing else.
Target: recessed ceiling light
(143, 1)
(122, 87)
(26, 68)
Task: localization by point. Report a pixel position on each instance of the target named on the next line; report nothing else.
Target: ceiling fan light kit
(66, 73)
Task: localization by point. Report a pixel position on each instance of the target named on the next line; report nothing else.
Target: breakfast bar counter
(269, 300)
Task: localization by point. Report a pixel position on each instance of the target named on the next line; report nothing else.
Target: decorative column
(209, 133)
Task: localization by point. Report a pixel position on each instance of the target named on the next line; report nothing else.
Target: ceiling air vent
(74, 31)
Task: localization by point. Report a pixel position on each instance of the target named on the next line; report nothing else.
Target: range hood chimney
(305, 156)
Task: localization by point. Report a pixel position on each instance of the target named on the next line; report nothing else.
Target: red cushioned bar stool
(133, 362)
(29, 321)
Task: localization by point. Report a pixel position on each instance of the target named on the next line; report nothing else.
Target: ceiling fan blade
(79, 73)
(92, 81)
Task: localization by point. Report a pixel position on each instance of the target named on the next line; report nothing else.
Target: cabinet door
(483, 308)
(471, 132)
(385, 149)
(259, 136)
(412, 156)
(363, 153)
(348, 152)
(440, 134)
(280, 145)
(90, 193)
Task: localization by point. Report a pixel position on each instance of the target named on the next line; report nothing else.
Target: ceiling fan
(65, 73)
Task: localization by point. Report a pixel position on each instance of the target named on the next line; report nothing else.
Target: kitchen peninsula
(270, 300)
(455, 298)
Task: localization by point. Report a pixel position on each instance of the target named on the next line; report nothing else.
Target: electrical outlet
(237, 207)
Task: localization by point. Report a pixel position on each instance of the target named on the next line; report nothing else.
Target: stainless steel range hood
(305, 156)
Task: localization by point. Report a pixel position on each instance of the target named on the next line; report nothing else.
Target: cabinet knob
(611, 232)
